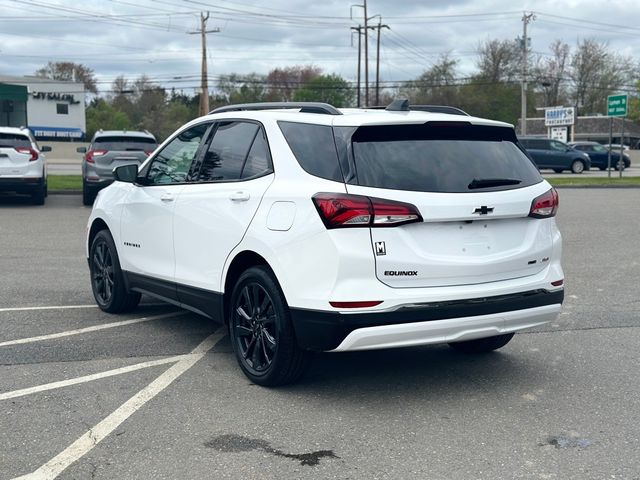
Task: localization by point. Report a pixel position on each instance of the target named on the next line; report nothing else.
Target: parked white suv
(23, 168)
(304, 227)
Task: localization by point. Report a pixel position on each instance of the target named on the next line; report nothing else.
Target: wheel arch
(96, 226)
(241, 262)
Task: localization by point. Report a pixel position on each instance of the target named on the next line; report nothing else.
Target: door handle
(239, 197)
(167, 197)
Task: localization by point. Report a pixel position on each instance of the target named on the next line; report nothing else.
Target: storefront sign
(56, 96)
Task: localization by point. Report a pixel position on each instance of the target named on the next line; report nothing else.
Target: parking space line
(53, 307)
(95, 435)
(88, 378)
(93, 328)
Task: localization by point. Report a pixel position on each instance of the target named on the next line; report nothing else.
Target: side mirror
(126, 173)
(45, 149)
(81, 149)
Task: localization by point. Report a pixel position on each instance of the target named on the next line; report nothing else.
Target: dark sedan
(599, 155)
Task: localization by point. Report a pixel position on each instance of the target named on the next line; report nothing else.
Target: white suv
(304, 227)
(23, 168)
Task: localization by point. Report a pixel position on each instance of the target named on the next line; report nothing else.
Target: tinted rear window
(125, 143)
(12, 140)
(439, 158)
(314, 148)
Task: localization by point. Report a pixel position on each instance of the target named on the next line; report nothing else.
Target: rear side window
(314, 148)
(440, 158)
(227, 152)
(124, 143)
(13, 140)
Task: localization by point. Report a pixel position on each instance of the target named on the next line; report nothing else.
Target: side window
(525, 143)
(539, 145)
(227, 151)
(558, 146)
(258, 161)
(314, 148)
(172, 163)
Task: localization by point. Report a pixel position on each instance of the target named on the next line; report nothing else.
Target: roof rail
(439, 109)
(404, 106)
(305, 107)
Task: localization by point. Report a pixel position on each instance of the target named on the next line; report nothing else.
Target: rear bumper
(21, 184)
(419, 324)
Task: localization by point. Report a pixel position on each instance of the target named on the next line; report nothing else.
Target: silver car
(110, 149)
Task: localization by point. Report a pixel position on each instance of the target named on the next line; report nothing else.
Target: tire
(620, 165)
(482, 345)
(107, 281)
(602, 168)
(577, 166)
(88, 195)
(557, 170)
(37, 197)
(261, 331)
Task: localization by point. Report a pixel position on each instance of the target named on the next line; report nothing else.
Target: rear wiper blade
(492, 182)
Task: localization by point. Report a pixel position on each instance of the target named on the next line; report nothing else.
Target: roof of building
(31, 79)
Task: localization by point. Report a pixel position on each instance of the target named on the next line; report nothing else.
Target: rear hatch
(473, 188)
(110, 152)
(15, 154)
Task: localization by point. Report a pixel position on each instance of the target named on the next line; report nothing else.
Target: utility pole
(378, 27)
(526, 18)
(204, 82)
(359, 30)
(366, 56)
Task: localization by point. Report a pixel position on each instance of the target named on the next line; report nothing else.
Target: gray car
(110, 149)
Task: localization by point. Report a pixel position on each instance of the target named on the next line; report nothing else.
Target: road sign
(617, 105)
(557, 117)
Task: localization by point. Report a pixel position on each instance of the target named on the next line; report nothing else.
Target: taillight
(28, 151)
(340, 210)
(546, 205)
(94, 153)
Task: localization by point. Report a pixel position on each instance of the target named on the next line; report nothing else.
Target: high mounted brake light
(341, 210)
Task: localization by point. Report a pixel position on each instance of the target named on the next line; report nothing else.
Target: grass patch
(578, 180)
(64, 182)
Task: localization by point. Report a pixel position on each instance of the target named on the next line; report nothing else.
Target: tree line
(581, 77)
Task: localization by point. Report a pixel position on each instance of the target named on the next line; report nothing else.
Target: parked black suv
(556, 155)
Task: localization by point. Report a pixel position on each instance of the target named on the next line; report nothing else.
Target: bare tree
(499, 61)
(69, 71)
(282, 83)
(437, 85)
(552, 74)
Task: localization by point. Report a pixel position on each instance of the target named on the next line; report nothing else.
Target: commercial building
(53, 110)
(592, 128)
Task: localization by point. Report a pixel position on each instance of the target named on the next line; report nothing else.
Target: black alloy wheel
(255, 325)
(261, 330)
(107, 282)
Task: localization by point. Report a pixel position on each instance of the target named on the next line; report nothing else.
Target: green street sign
(617, 105)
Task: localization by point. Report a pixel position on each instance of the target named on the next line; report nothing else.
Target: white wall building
(53, 110)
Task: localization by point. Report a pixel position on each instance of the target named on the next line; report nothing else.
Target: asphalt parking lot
(157, 394)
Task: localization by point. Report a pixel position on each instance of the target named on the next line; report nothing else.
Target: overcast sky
(135, 37)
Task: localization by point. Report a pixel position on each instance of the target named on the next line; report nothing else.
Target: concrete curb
(65, 192)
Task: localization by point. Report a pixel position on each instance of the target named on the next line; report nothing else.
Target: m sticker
(381, 249)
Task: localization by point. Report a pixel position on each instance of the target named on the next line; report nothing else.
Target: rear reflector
(366, 304)
(340, 210)
(546, 205)
(557, 283)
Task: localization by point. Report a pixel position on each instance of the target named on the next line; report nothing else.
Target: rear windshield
(123, 143)
(13, 140)
(442, 157)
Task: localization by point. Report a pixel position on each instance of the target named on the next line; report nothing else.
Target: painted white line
(54, 307)
(88, 378)
(94, 328)
(95, 435)
(65, 307)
